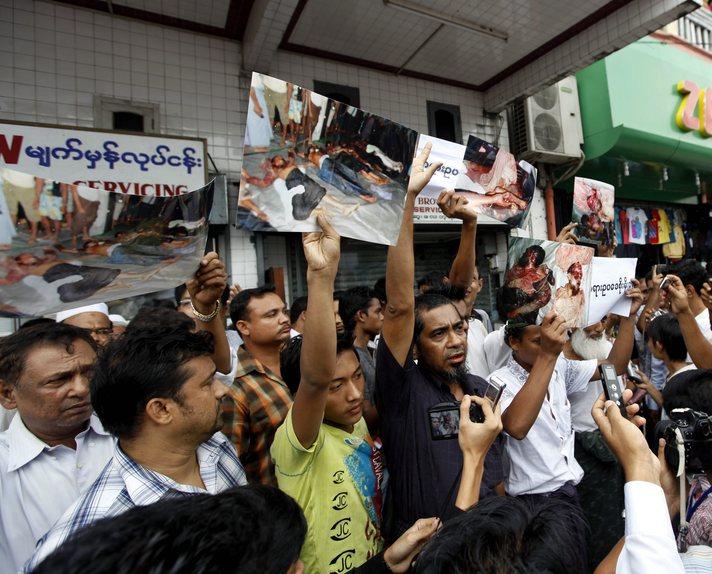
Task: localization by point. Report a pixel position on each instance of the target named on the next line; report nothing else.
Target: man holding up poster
(536, 411)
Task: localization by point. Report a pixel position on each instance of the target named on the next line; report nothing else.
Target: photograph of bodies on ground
(593, 210)
(305, 152)
(63, 246)
(542, 275)
(491, 179)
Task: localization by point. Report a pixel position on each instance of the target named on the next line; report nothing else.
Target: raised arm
(653, 302)
(698, 346)
(463, 267)
(318, 358)
(399, 316)
(524, 408)
(205, 289)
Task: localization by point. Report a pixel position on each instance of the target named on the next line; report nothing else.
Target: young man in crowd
(363, 320)
(258, 399)
(155, 391)
(666, 343)
(536, 410)
(423, 471)
(54, 447)
(601, 488)
(93, 318)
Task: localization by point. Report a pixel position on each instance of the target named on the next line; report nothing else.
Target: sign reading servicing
(695, 110)
(151, 165)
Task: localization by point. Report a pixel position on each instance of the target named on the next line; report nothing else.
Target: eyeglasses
(183, 302)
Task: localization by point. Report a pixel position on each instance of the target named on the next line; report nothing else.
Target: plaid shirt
(254, 407)
(124, 484)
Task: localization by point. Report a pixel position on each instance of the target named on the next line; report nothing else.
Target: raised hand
(456, 206)
(322, 249)
(566, 235)
(636, 297)
(399, 556)
(706, 294)
(553, 333)
(208, 283)
(476, 438)
(419, 174)
(676, 294)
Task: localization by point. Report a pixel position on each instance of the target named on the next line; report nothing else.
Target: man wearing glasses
(93, 318)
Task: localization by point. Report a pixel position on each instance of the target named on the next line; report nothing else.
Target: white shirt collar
(24, 446)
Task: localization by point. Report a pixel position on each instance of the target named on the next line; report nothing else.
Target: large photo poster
(63, 245)
(593, 211)
(544, 275)
(306, 153)
(495, 184)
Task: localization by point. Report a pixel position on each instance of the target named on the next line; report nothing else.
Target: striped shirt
(255, 406)
(124, 484)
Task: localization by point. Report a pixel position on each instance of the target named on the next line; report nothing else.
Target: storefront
(647, 119)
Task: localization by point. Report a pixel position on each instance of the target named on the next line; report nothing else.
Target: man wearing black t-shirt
(424, 472)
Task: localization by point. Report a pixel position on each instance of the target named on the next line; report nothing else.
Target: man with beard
(601, 488)
(423, 472)
(155, 390)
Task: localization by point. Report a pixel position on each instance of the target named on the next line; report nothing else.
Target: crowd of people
(299, 440)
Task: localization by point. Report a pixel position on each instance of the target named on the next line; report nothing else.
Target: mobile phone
(633, 373)
(612, 388)
(445, 417)
(664, 283)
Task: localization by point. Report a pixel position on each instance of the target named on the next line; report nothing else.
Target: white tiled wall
(55, 58)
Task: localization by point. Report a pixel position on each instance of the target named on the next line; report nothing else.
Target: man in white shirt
(54, 448)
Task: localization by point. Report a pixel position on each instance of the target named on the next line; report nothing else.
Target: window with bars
(696, 31)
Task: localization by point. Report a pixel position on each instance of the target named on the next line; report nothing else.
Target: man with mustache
(54, 447)
(423, 472)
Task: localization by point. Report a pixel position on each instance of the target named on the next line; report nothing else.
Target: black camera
(696, 431)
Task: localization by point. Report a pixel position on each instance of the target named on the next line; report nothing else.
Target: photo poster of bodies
(611, 277)
(544, 275)
(491, 179)
(593, 211)
(64, 246)
(305, 153)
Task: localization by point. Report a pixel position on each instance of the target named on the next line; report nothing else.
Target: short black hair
(427, 302)
(379, 287)
(451, 292)
(538, 250)
(690, 272)
(432, 280)
(144, 363)
(691, 389)
(508, 534)
(352, 301)
(251, 529)
(15, 348)
(514, 328)
(665, 330)
(299, 305)
(291, 355)
(238, 307)
(157, 317)
(36, 321)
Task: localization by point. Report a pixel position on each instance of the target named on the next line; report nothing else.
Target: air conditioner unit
(546, 127)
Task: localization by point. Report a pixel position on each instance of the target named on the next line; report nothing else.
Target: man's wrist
(643, 470)
(204, 308)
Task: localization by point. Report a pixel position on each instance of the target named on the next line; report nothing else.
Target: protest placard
(306, 153)
(610, 279)
(593, 211)
(63, 246)
(137, 164)
(497, 187)
(544, 275)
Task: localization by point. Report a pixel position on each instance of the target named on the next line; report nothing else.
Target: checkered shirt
(124, 484)
(255, 406)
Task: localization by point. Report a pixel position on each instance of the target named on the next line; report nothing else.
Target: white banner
(611, 277)
(152, 165)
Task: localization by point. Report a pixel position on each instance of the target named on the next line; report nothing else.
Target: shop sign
(695, 110)
(136, 164)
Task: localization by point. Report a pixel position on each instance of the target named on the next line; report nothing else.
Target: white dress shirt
(543, 461)
(476, 360)
(497, 352)
(649, 541)
(703, 322)
(38, 483)
(5, 417)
